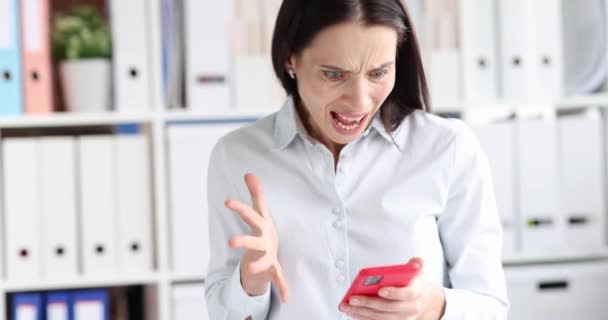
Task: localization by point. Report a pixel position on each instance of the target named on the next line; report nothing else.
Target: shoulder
(257, 136)
(421, 128)
(432, 135)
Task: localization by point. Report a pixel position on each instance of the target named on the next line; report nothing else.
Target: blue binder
(58, 306)
(11, 86)
(27, 306)
(91, 304)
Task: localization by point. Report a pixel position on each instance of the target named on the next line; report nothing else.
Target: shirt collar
(288, 125)
(378, 125)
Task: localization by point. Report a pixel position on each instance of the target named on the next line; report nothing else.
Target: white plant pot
(86, 84)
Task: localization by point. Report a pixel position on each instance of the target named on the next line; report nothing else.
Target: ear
(291, 63)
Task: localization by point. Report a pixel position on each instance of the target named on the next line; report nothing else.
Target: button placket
(339, 264)
(336, 211)
(338, 223)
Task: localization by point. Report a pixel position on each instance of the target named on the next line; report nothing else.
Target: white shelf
(596, 99)
(187, 278)
(81, 282)
(549, 257)
(72, 119)
(95, 119)
(189, 116)
(600, 99)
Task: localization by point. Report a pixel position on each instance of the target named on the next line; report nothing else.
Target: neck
(314, 132)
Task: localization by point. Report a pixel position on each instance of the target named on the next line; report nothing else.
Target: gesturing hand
(259, 264)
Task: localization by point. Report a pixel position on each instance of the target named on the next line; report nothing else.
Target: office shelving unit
(156, 120)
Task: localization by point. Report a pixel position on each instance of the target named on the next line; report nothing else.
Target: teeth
(349, 127)
(355, 120)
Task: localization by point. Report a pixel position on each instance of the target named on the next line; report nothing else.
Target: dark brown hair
(299, 21)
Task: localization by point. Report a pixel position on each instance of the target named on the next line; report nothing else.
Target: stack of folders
(76, 205)
(190, 147)
(549, 180)
(25, 60)
(123, 303)
(77, 305)
(530, 50)
(26, 80)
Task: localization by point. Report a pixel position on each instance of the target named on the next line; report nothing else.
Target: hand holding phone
(370, 280)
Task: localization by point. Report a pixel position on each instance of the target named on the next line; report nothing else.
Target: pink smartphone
(369, 280)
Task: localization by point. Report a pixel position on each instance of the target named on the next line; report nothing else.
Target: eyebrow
(334, 68)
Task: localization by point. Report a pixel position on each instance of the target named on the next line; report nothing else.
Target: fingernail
(383, 293)
(355, 302)
(345, 308)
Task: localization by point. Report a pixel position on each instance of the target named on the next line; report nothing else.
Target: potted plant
(81, 41)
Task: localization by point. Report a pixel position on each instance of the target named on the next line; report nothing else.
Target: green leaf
(80, 33)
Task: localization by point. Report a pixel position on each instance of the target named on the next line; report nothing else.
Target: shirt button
(337, 224)
(336, 211)
(339, 264)
(341, 279)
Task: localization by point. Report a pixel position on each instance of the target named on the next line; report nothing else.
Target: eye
(333, 75)
(378, 74)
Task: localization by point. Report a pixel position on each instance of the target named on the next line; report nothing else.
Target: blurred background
(109, 110)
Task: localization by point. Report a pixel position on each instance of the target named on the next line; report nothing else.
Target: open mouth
(348, 122)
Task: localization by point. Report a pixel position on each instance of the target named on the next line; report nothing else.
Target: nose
(358, 94)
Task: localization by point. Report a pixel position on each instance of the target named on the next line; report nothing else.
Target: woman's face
(343, 78)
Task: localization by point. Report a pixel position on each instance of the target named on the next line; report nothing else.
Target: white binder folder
(189, 151)
(21, 208)
(131, 55)
(583, 180)
(517, 49)
(498, 142)
(540, 202)
(58, 207)
(548, 60)
(97, 204)
(134, 203)
(479, 30)
(188, 302)
(207, 30)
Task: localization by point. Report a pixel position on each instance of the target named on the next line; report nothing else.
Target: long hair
(299, 21)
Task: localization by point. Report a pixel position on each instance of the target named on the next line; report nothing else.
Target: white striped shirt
(424, 190)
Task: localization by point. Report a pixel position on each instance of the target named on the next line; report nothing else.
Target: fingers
(247, 214)
(408, 293)
(364, 307)
(375, 303)
(247, 242)
(281, 283)
(262, 264)
(364, 313)
(257, 193)
(417, 260)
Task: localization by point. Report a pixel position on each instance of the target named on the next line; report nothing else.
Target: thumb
(418, 261)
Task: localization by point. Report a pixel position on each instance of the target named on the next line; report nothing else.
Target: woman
(355, 173)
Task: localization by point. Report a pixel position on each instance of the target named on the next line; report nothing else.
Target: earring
(291, 73)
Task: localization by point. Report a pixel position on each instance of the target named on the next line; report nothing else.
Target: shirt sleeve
(226, 298)
(471, 235)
